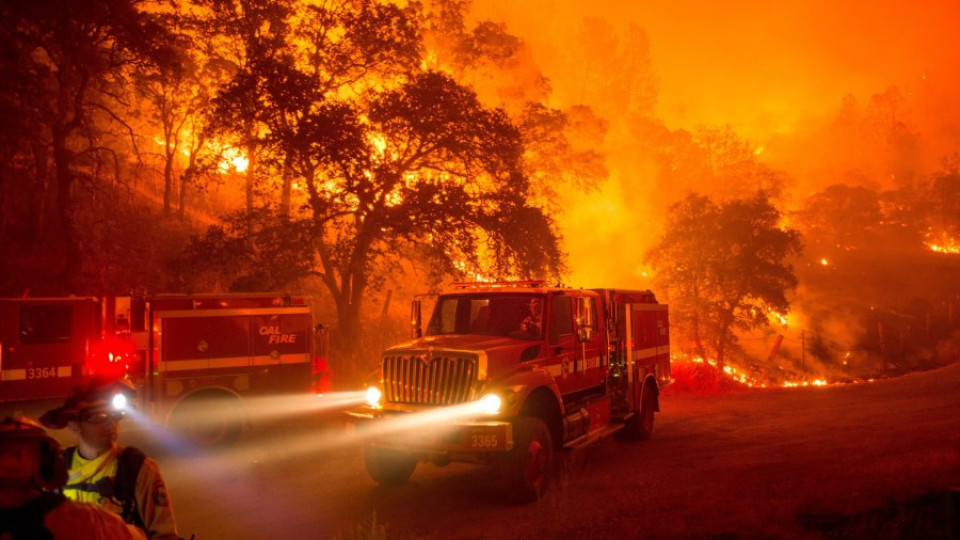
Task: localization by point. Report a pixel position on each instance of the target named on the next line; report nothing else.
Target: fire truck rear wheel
(389, 467)
(527, 468)
(208, 422)
(639, 427)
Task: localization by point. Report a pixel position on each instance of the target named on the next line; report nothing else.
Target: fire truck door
(650, 340)
(561, 342)
(591, 359)
(574, 343)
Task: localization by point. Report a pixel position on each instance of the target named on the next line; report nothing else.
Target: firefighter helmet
(51, 472)
(96, 395)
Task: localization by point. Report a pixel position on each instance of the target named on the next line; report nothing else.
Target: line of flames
(943, 244)
(740, 377)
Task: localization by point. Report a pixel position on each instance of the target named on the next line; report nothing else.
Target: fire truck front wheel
(527, 468)
(389, 467)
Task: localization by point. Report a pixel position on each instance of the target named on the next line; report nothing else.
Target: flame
(946, 245)
(779, 317)
(234, 160)
(471, 275)
(739, 376)
(379, 143)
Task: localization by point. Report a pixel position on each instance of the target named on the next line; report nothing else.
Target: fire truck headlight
(119, 402)
(373, 396)
(490, 404)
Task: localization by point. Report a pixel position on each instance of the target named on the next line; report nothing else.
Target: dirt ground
(869, 460)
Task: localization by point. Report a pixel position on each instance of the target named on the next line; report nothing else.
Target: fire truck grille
(436, 380)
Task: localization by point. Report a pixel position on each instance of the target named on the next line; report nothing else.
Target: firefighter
(532, 325)
(121, 479)
(322, 376)
(31, 468)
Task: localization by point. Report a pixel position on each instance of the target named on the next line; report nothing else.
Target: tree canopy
(725, 267)
(392, 160)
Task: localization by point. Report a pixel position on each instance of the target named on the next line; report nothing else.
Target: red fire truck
(181, 352)
(510, 373)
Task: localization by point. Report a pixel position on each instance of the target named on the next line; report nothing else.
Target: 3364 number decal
(41, 373)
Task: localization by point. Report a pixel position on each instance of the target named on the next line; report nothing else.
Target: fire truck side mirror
(415, 319)
(586, 321)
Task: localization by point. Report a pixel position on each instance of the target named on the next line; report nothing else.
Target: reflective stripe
(646, 353)
(13, 375)
(194, 313)
(591, 363)
(231, 362)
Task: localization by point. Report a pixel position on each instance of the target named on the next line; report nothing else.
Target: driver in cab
(532, 324)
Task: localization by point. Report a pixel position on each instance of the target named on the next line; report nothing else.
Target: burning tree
(390, 158)
(724, 267)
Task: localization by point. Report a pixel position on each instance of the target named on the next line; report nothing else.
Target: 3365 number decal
(484, 440)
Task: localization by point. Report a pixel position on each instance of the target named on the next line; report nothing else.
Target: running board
(593, 436)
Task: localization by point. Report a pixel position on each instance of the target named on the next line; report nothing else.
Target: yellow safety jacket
(94, 481)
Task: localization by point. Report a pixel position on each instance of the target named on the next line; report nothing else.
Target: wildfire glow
(233, 160)
(379, 142)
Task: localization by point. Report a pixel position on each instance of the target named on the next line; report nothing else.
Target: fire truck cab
(196, 361)
(510, 373)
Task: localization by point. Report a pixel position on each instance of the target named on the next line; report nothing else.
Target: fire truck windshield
(519, 316)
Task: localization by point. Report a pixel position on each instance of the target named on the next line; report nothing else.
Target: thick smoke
(861, 94)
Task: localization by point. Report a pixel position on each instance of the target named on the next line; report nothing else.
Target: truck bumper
(404, 431)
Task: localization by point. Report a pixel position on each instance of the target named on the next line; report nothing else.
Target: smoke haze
(762, 68)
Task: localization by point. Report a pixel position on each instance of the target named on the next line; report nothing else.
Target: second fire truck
(510, 373)
(196, 361)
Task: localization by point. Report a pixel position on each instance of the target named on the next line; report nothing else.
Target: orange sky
(759, 69)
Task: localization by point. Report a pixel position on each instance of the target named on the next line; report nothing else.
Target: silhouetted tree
(947, 185)
(242, 33)
(262, 251)
(179, 100)
(841, 219)
(724, 267)
(73, 60)
(888, 121)
(429, 165)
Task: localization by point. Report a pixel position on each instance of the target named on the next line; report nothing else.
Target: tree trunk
(168, 181)
(286, 187)
(185, 180)
(3, 204)
(697, 341)
(251, 167)
(348, 317)
(62, 157)
(39, 194)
